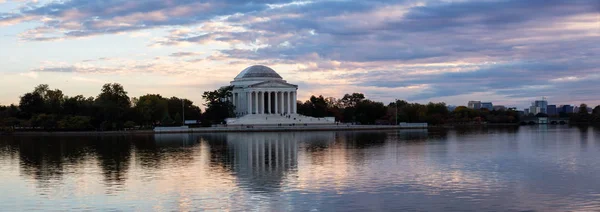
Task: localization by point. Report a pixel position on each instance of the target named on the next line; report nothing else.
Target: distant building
(499, 107)
(539, 106)
(551, 110)
(542, 104)
(534, 109)
(474, 105)
(565, 109)
(487, 105)
(526, 111)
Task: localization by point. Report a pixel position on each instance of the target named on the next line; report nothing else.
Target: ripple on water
(525, 169)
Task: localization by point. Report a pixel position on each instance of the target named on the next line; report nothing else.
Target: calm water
(521, 169)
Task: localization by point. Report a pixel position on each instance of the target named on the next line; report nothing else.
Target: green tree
(166, 120)
(78, 105)
(596, 110)
(113, 104)
(352, 100)
(319, 106)
(152, 108)
(129, 125)
(191, 111)
(583, 108)
(75, 123)
(178, 119)
(31, 104)
(218, 107)
(54, 101)
(368, 112)
(45, 121)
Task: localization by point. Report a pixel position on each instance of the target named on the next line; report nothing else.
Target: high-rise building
(526, 111)
(543, 105)
(551, 110)
(487, 105)
(534, 109)
(539, 106)
(499, 107)
(474, 105)
(565, 109)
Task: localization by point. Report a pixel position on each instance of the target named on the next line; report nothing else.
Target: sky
(510, 52)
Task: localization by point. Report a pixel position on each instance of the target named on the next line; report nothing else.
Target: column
(260, 103)
(233, 99)
(255, 102)
(236, 102)
(294, 106)
(276, 103)
(268, 102)
(249, 104)
(283, 105)
(289, 100)
(280, 103)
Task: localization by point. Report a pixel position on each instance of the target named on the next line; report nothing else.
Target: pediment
(273, 84)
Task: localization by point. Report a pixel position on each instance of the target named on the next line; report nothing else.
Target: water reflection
(527, 168)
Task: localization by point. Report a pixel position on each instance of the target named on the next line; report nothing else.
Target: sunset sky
(507, 51)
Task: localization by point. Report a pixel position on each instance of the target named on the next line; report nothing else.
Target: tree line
(112, 109)
(582, 116)
(355, 108)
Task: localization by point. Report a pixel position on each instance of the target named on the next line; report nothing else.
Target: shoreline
(235, 129)
(216, 130)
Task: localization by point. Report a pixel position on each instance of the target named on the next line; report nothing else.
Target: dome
(258, 71)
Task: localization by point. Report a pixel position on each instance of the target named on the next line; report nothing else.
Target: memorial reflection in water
(260, 161)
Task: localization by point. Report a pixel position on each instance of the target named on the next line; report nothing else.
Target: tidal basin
(529, 168)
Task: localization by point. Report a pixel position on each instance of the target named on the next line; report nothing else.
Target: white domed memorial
(261, 96)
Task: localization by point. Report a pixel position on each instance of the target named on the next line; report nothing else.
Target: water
(497, 169)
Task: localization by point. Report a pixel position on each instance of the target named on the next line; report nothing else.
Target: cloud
(184, 54)
(82, 18)
(423, 50)
(30, 74)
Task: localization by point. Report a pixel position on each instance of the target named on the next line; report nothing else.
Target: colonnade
(265, 102)
(266, 152)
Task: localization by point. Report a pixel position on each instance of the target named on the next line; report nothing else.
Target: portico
(266, 101)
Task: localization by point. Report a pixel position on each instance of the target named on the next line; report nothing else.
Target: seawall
(270, 128)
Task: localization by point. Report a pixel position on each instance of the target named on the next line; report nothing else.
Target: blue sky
(506, 51)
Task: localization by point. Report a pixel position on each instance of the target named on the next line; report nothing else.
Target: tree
(152, 108)
(78, 105)
(191, 111)
(46, 121)
(75, 123)
(53, 101)
(31, 104)
(367, 111)
(178, 120)
(437, 113)
(319, 106)
(352, 100)
(583, 109)
(166, 120)
(113, 103)
(596, 111)
(218, 106)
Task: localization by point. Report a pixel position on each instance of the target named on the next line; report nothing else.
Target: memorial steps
(277, 119)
